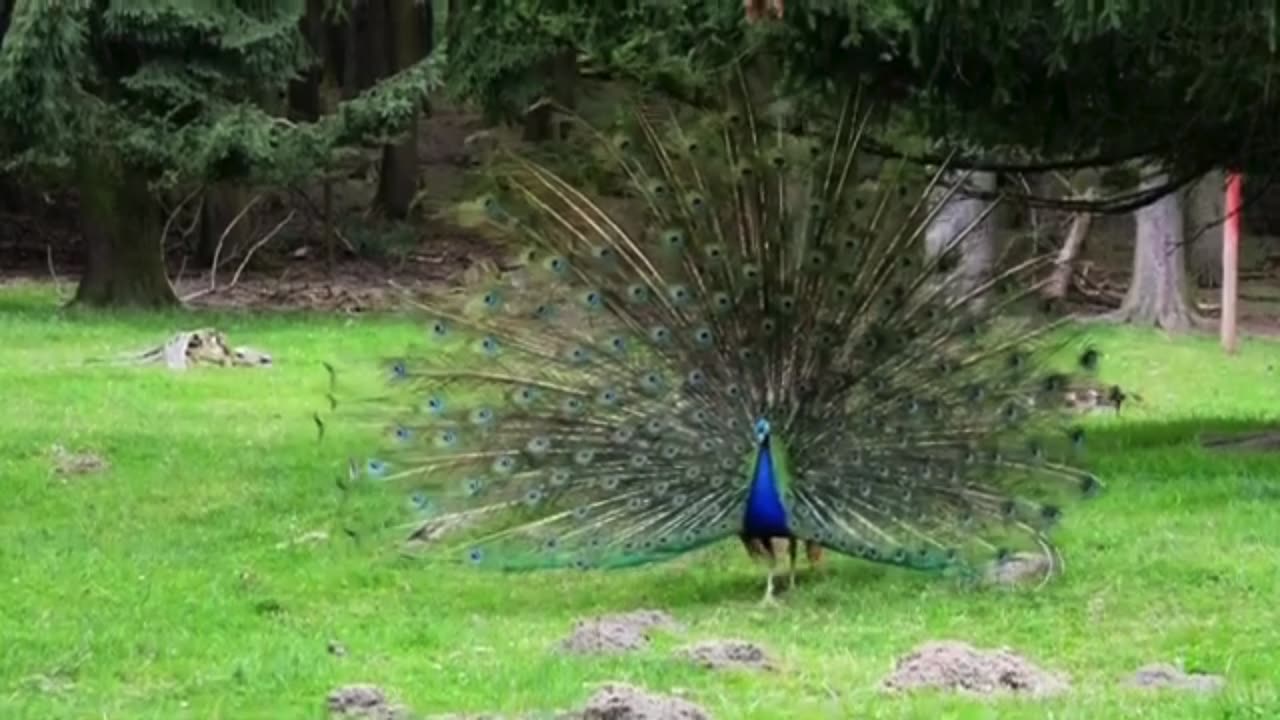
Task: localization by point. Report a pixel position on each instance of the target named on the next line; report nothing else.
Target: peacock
(722, 324)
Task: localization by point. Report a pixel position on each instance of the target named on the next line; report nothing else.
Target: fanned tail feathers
(595, 408)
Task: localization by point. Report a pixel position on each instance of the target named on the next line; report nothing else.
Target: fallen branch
(217, 251)
(235, 278)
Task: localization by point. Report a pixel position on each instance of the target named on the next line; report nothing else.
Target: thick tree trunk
(407, 42)
(1204, 215)
(1158, 292)
(304, 92)
(562, 68)
(977, 249)
(222, 203)
(124, 264)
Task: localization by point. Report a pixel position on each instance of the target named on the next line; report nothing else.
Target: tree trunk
(304, 92)
(563, 71)
(1158, 291)
(119, 219)
(222, 203)
(1205, 212)
(976, 250)
(407, 43)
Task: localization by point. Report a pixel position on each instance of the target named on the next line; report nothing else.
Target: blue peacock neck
(766, 515)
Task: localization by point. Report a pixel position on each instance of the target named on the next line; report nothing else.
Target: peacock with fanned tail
(735, 333)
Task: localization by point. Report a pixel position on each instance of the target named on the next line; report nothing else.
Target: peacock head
(762, 432)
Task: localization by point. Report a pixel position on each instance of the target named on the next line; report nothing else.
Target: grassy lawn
(169, 586)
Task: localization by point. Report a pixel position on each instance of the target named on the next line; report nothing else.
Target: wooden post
(1230, 265)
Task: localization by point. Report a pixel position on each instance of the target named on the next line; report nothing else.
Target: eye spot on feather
(817, 260)
(475, 556)
(1089, 359)
(557, 265)
(539, 445)
(658, 188)
(560, 477)
(439, 328)
(777, 160)
(602, 254)
(702, 336)
(618, 344)
(610, 483)
(706, 445)
(1050, 513)
(1017, 360)
(659, 335)
(504, 465)
(592, 300)
(584, 457)
(679, 294)
(398, 370)
(750, 272)
(696, 202)
(1089, 485)
(623, 434)
(652, 383)
(376, 468)
(581, 512)
(550, 544)
(733, 390)
(693, 472)
(714, 252)
(482, 416)
(637, 294)
(696, 379)
(748, 355)
(419, 501)
(525, 395)
(787, 304)
(655, 426)
(492, 299)
(573, 406)
(534, 497)
(673, 239)
(489, 346)
(472, 487)
(607, 397)
(1076, 435)
(403, 433)
(544, 311)
(768, 326)
(635, 503)
(578, 355)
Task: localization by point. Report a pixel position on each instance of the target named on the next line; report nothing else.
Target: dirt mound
(619, 701)
(1163, 676)
(728, 654)
(616, 633)
(365, 702)
(960, 667)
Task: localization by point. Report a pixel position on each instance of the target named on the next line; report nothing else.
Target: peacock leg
(792, 549)
(768, 586)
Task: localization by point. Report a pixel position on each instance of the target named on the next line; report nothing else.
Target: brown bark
(304, 92)
(406, 42)
(222, 203)
(120, 222)
(953, 230)
(1064, 265)
(1158, 291)
(563, 71)
(1205, 210)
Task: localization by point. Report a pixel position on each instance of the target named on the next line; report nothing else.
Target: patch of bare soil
(68, 463)
(960, 667)
(1019, 569)
(619, 701)
(1163, 676)
(727, 655)
(364, 702)
(617, 633)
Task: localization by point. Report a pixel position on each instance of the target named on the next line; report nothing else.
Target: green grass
(166, 588)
